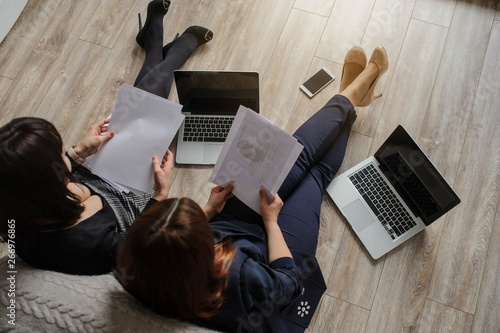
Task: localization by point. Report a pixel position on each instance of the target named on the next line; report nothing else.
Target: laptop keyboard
(206, 129)
(381, 199)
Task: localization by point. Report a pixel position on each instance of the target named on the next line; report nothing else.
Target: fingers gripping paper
(144, 125)
(257, 154)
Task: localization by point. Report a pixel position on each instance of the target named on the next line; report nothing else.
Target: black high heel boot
(203, 35)
(155, 6)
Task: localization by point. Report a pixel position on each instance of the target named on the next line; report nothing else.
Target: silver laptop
(393, 195)
(210, 100)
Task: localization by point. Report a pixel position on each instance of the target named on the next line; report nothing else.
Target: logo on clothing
(303, 309)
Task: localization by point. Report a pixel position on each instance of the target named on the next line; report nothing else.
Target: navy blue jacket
(263, 297)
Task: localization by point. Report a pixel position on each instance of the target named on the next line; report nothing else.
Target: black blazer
(88, 248)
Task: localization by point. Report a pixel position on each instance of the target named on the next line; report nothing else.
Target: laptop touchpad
(211, 153)
(358, 215)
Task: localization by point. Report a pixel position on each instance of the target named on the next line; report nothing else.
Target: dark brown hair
(33, 179)
(170, 263)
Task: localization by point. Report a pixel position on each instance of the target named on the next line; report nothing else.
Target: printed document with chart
(257, 154)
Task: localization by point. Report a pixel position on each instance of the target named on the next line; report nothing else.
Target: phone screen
(317, 81)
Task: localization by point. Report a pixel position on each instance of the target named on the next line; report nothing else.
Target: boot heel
(140, 22)
(154, 7)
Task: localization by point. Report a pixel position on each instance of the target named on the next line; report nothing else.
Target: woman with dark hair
(66, 218)
(228, 268)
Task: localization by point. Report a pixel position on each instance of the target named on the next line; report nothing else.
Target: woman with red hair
(226, 267)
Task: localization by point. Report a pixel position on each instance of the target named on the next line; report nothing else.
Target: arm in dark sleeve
(277, 283)
(107, 250)
(150, 203)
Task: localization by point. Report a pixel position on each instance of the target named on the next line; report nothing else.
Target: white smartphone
(317, 82)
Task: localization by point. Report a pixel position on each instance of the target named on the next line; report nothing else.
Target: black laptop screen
(415, 178)
(217, 92)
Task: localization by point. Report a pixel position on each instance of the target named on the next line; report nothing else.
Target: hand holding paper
(145, 125)
(96, 136)
(217, 200)
(257, 154)
(163, 175)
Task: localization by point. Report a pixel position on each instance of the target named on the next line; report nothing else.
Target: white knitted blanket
(47, 301)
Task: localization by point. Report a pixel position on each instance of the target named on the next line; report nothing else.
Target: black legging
(157, 73)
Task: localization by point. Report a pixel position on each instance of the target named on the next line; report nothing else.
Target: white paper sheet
(144, 125)
(257, 154)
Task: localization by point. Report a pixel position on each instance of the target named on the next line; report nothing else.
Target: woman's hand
(270, 211)
(163, 175)
(217, 200)
(276, 244)
(96, 136)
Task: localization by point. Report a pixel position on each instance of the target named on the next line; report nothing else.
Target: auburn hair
(169, 261)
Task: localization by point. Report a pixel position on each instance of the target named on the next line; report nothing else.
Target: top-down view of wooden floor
(65, 60)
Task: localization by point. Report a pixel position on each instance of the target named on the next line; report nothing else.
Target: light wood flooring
(64, 61)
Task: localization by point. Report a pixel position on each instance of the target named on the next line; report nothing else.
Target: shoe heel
(154, 7)
(140, 21)
(379, 58)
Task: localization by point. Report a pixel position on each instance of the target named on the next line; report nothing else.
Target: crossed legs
(157, 73)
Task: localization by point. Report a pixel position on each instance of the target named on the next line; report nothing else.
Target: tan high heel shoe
(354, 63)
(380, 59)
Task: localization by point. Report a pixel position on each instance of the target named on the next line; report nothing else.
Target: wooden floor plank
(403, 285)
(320, 7)
(186, 176)
(108, 21)
(410, 308)
(465, 241)
(305, 106)
(450, 105)
(355, 275)
(44, 62)
(24, 36)
(435, 12)
(349, 17)
(440, 318)
(4, 87)
(407, 271)
(182, 15)
(412, 82)
(487, 317)
(225, 20)
(261, 32)
(70, 87)
(289, 65)
(337, 316)
(387, 26)
(121, 66)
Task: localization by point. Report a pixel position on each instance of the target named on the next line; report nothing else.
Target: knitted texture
(53, 302)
